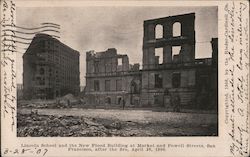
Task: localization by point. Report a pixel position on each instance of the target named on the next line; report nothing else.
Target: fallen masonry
(36, 125)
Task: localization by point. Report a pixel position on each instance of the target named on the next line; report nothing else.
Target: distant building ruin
(110, 78)
(50, 69)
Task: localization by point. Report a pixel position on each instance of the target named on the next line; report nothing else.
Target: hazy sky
(100, 28)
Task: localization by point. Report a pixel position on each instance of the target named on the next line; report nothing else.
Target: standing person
(123, 103)
(178, 103)
(172, 101)
(175, 101)
(68, 103)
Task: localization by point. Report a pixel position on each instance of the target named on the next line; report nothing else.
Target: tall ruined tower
(174, 36)
(185, 39)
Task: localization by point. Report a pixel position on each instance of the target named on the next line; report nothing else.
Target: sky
(99, 28)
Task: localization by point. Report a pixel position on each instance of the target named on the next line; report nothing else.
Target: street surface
(142, 116)
(131, 122)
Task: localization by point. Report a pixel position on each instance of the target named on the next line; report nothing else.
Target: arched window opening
(158, 31)
(177, 29)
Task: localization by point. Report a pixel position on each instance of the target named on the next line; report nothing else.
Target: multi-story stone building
(50, 69)
(178, 73)
(109, 77)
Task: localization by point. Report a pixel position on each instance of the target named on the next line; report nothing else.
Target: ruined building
(179, 71)
(110, 78)
(110, 81)
(50, 69)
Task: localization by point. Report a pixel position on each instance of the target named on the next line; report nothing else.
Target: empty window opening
(177, 29)
(108, 100)
(158, 81)
(107, 85)
(119, 85)
(159, 55)
(176, 80)
(158, 31)
(119, 61)
(108, 67)
(96, 67)
(175, 52)
(96, 85)
(134, 88)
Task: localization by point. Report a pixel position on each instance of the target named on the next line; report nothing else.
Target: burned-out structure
(177, 74)
(50, 69)
(110, 79)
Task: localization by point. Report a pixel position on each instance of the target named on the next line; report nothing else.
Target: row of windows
(176, 30)
(67, 63)
(108, 85)
(56, 46)
(108, 67)
(160, 51)
(65, 72)
(176, 80)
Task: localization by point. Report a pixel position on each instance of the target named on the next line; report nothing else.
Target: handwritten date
(23, 151)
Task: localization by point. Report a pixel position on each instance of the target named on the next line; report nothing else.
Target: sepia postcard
(124, 78)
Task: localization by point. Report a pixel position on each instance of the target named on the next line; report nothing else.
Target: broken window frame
(173, 54)
(159, 52)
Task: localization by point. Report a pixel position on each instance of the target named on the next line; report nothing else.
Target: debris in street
(67, 101)
(35, 125)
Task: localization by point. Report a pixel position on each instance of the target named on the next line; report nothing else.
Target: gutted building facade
(177, 72)
(50, 69)
(110, 79)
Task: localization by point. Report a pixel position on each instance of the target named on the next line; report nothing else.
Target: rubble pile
(36, 125)
(67, 101)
